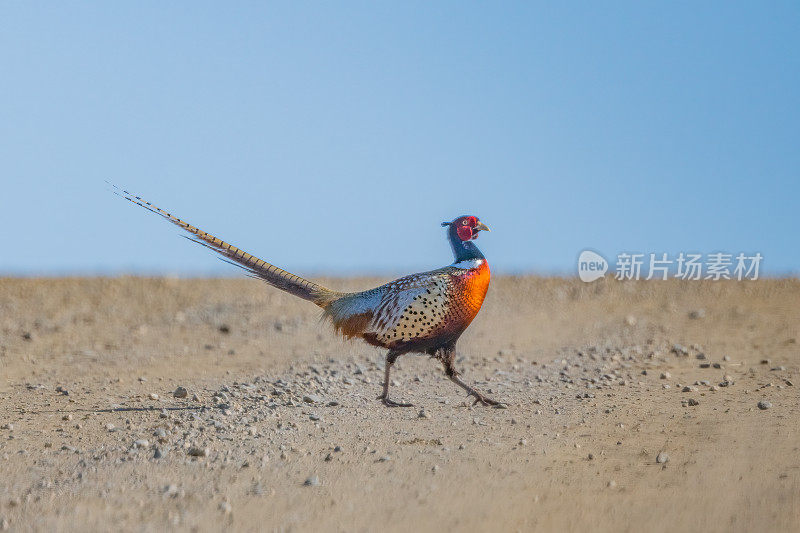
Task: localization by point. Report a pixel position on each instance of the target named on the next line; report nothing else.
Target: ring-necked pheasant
(422, 313)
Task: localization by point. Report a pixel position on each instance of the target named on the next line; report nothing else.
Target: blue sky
(335, 137)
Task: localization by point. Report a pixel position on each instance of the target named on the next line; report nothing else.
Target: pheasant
(422, 313)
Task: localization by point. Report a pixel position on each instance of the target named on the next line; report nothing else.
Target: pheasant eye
(465, 221)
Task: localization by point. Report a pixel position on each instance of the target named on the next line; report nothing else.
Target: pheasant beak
(482, 227)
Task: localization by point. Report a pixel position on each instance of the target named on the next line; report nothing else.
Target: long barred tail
(257, 268)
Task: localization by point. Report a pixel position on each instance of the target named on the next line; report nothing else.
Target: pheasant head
(466, 227)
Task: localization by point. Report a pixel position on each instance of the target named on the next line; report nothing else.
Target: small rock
(423, 414)
(141, 443)
(153, 396)
(697, 313)
(665, 375)
(679, 349)
(611, 484)
(8, 426)
(312, 398)
(630, 320)
(66, 417)
(110, 427)
(692, 402)
(158, 454)
(4, 525)
(196, 451)
(662, 458)
(312, 481)
(181, 392)
(224, 329)
(764, 405)
(225, 507)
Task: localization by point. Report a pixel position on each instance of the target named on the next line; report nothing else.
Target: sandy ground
(280, 429)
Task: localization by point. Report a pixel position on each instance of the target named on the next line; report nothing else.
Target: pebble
(662, 458)
(153, 396)
(665, 375)
(196, 451)
(225, 507)
(692, 402)
(764, 405)
(312, 481)
(312, 398)
(158, 454)
(110, 427)
(8, 426)
(679, 349)
(141, 443)
(611, 484)
(181, 392)
(66, 417)
(4, 525)
(423, 414)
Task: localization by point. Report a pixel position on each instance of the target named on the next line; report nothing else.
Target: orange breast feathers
(471, 288)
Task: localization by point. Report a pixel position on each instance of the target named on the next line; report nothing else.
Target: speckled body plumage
(416, 312)
(422, 313)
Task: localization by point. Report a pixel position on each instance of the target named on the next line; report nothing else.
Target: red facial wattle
(464, 233)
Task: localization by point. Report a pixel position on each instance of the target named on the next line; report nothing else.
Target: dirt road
(660, 406)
